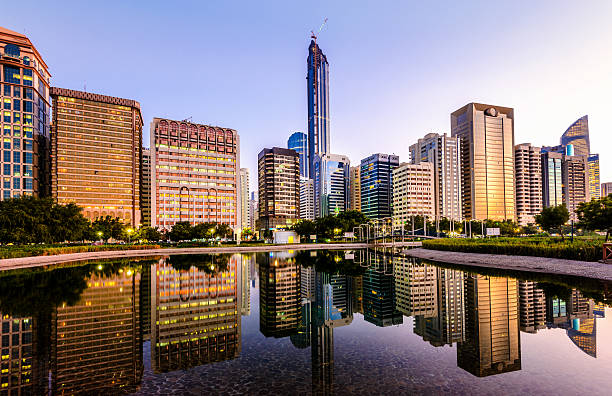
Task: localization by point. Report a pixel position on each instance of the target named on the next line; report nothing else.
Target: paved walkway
(41, 261)
(517, 263)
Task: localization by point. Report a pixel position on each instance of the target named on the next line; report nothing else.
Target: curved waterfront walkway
(547, 265)
(41, 261)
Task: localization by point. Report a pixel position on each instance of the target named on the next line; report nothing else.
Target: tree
(305, 228)
(247, 233)
(553, 218)
(181, 231)
(223, 230)
(596, 215)
(109, 227)
(204, 230)
(148, 234)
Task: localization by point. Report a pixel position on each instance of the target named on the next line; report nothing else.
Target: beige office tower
(413, 192)
(195, 313)
(96, 144)
(416, 287)
(606, 189)
(487, 160)
(575, 174)
(355, 188)
(244, 198)
(528, 169)
(445, 155)
(194, 174)
(492, 341)
(145, 187)
(532, 307)
(96, 346)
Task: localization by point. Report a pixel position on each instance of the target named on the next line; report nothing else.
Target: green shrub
(50, 250)
(583, 249)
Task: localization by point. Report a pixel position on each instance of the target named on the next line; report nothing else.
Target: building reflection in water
(379, 291)
(96, 345)
(532, 307)
(492, 341)
(195, 311)
(16, 358)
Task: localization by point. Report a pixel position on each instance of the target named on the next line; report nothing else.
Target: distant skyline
(397, 71)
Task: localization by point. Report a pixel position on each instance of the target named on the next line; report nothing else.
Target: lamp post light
(129, 233)
(100, 234)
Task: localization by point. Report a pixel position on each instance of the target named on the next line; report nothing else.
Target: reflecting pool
(325, 322)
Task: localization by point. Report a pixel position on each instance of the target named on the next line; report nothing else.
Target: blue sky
(397, 69)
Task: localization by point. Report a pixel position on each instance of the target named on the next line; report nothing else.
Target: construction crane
(313, 35)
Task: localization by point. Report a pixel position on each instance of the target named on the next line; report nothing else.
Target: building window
(12, 50)
(26, 61)
(6, 194)
(7, 144)
(12, 75)
(7, 169)
(27, 158)
(7, 156)
(27, 106)
(16, 170)
(16, 157)
(28, 93)
(16, 183)
(7, 104)
(27, 77)
(27, 184)
(16, 105)
(16, 92)
(7, 90)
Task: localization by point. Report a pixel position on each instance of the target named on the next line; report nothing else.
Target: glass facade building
(487, 160)
(331, 177)
(96, 154)
(552, 186)
(594, 177)
(25, 117)
(377, 185)
(318, 105)
(298, 141)
(578, 135)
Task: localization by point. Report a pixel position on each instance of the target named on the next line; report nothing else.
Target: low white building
(286, 237)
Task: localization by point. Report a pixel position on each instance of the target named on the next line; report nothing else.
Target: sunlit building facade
(331, 178)
(307, 199)
(96, 154)
(376, 182)
(532, 306)
(416, 287)
(486, 133)
(278, 172)
(552, 180)
(17, 356)
(606, 189)
(244, 198)
(594, 175)
(355, 188)
(194, 174)
(145, 187)
(318, 105)
(195, 312)
(25, 117)
(444, 153)
(575, 178)
(96, 344)
(413, 192)
(578, 136)
(528, 168)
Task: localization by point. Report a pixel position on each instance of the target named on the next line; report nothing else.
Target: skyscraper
(298, 141)
(578, 136)
(279, 188)
(594, 176)
(307, 199)
(195, 172)
(552, 180)
(413, 192)
(253, 210)
(528, 167)
(445, 155)
(145, 187)
(377, 185)
(26, 115)
(487, 160)
(244, 198)
(575, 179)
(606, 189)
(355, 188)
(96, 154)
(318, 105)
(532, 306)
(331, 175)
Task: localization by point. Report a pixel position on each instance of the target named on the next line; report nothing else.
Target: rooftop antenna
(313, 35)
(188, 119)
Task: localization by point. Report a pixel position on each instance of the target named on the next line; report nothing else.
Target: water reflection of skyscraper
(17, 356)
(379, 291)
(492, 341)
(95, 344)
(195, 314)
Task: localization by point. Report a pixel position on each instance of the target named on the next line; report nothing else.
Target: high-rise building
(18, 356)
(355, 188)
(532, 306)
(204, 303)
(26, 117)
(606, 189)
(594, 175)
(279, 188)
(528, 169)
(298, 141)
(318, 105)
(552, 180)
(253, 210)
(487, 160)
(445, 154)
(244, 198)
(195, 171)
(96, 154)
(279, 294)
(145, 187)
(578, 136)
(307, 199)
(377, 185)
(333, 299)
(575, 179)
(492, 341)
(416, 287)
(413, 192)
(96, 345)
(331, 176)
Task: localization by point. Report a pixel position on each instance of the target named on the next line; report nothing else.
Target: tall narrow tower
(318, 104)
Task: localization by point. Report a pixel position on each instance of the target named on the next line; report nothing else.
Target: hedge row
(580, 249)
(46, 250)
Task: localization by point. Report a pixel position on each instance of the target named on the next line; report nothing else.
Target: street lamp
(129, 233)
(100, 233)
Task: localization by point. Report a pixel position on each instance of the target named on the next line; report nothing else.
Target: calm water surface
(326, 322)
